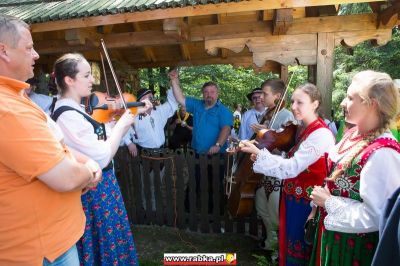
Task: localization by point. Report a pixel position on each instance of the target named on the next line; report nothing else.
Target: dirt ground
(153, 241)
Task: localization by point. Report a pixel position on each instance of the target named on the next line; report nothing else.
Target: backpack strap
(99, 128)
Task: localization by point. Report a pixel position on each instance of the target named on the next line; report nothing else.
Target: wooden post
(284, 74)
(326, 44)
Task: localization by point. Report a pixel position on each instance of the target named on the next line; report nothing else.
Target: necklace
(355, 140)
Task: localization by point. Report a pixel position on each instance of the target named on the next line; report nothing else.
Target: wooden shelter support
(326, 45)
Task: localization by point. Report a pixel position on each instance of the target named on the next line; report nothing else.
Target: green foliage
(234, 83)
(348, 9)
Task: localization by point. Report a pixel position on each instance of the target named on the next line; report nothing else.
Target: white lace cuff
(263, 161)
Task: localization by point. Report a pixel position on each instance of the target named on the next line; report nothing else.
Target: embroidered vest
(302, 185)
(348, 185)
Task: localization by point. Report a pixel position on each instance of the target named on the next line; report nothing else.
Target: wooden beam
(326, 45)
(222, 20)
(80, 36)
(116, 40)
(352, 38)
(149, 53)
(299, 26)
(286, 49)
(298, 12)
(189, 11)
(185, 51)
(390, 15)
(283, 19)
(176, 27)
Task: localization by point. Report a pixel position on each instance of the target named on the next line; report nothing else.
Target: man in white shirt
(149, 131)
(150, 128)
(252, 116)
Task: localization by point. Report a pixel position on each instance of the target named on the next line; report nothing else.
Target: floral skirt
(108, 239)
(293, 214)
(343, 249)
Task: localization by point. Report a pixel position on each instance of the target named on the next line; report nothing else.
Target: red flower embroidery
(369, 246)
(350, 242)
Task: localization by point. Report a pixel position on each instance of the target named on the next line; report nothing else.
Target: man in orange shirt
(41, 216)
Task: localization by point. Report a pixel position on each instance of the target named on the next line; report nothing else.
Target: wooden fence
(179, 173)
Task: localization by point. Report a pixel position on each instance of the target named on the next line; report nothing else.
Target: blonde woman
(365, 166)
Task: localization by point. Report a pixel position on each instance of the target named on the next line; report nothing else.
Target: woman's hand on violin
(319, 195)
(126, 119)
(143, 109)
(257, 127)
(249, 147)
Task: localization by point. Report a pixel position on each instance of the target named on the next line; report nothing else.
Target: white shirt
(237, 113)
(249, 118)
(150, 129)
(79, 134)
(379, 178)
(310, 150)
(331, 125)
(43, 101)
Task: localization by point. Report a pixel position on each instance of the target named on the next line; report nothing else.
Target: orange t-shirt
(35, 221)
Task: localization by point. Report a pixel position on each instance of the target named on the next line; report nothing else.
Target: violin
(241, 185)
(105, 108)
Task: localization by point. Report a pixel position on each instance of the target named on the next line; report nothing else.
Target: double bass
(241, 182)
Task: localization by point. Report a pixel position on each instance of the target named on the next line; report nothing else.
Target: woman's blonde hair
(378, 87)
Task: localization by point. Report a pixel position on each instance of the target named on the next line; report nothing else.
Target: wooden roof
(264, 34)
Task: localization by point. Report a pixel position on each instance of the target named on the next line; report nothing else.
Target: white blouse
(79, 134)
(310, 150)
(379, 178)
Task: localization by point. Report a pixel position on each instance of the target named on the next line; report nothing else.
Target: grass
(153, 241)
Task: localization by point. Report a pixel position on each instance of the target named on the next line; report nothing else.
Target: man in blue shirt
(212, 123)
(212, 120)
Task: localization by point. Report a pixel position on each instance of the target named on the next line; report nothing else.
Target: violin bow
(104, 73)
(280, 102)
(103, 45)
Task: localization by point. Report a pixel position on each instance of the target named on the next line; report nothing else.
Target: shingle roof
(34, 11)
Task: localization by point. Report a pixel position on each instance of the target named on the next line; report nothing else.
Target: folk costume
(108, 239)
(349, 223)
(268, 192)
(304, 168)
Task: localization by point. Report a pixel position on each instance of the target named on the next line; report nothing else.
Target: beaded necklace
(355, 140)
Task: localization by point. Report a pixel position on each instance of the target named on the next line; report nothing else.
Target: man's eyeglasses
(256, 98)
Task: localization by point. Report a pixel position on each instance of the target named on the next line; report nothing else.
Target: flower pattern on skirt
(108, 239)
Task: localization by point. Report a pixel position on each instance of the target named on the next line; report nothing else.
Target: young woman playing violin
(268, 193)
(304, 168)
(107, 239)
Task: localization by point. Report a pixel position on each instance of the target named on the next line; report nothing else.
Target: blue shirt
(207, 123)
